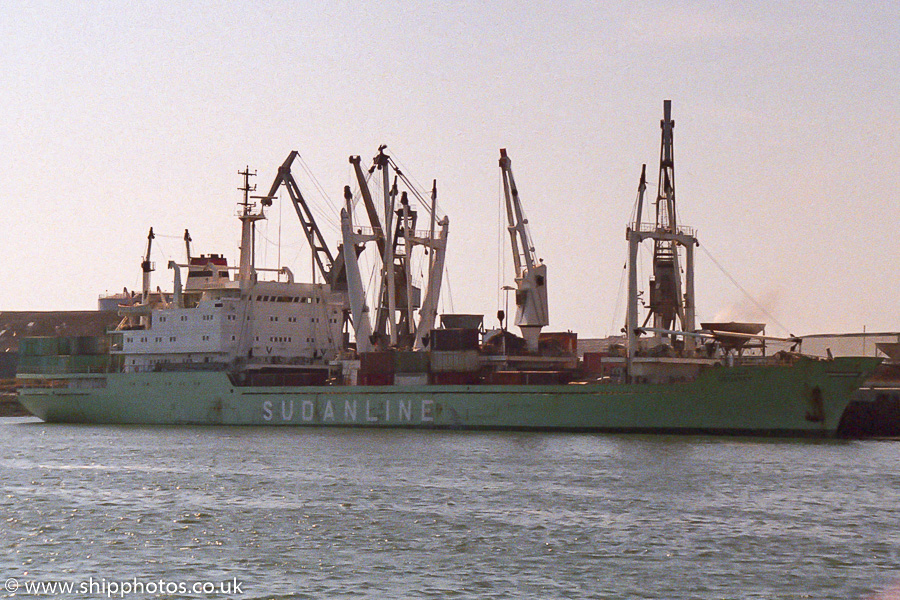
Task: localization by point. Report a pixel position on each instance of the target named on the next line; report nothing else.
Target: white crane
(530, 274)
(393, 322)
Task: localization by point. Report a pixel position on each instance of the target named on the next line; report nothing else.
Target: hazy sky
(119, 116)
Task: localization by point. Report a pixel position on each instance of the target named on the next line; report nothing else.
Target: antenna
(247, 188)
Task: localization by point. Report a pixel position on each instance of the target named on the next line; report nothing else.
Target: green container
(66, 345)
(27, 364)
(39, 346)
(86, 345)
(86, 363)
(411, 362)
(43, 364)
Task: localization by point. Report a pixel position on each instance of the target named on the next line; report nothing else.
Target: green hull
(806, 398)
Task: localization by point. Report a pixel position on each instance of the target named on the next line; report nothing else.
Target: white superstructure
(216, 321)
(279, 324)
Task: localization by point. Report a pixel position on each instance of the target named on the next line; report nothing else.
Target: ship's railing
(42, 383)
(62, 370)
(748, 361)
(654, 228)
(417, 233)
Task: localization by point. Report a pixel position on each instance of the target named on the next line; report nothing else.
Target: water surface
(325, 513)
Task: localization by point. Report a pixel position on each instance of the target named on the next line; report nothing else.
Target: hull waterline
(807, 398)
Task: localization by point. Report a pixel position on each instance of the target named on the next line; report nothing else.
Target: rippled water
(309, 513)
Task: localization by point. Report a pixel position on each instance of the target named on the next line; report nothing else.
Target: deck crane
(187, 245)
(438, 246)
(357, 293)
(395, 323)
(668, 302)
(359, 311)
(137, 316)
(146, 269)
(530, 274)
(331, 267)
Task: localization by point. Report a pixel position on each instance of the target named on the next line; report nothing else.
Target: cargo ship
(242, 345)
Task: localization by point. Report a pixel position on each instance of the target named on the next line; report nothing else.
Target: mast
(408, 232)
(247, 273)
(667, 304)
(665, 288)
(432, 222)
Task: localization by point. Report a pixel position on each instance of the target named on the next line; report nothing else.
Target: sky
(118, 117)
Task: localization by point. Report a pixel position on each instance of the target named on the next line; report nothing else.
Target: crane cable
(329, 219)
(612, 323)
(414, 186)
(745, 292)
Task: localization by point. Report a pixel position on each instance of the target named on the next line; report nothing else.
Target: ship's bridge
(207, 270)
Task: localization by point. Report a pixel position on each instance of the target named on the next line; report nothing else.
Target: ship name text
(368, 411)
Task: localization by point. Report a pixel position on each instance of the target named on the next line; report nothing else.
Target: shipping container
(376, 378)
(526, 377)
(350, 372)
(602, 364)
(450, 378)
(66, 345)
(410, 378)
(458, 361)
(505, 378)
(454, 339)
(410, 362)
(546, 377)
(562, 342)
(265, 379)
(289, 378)
(43, 364)
(593, 361)
(9, 361)
(376, 362)
(39, 346)
(88, 345)
(88, 363)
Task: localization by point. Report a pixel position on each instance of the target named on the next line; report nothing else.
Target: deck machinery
(670, 303)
